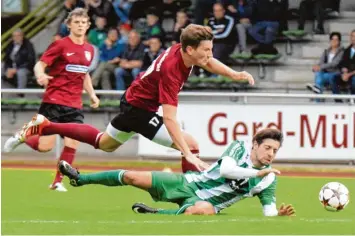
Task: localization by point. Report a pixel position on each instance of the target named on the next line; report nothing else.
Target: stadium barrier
(313, 131)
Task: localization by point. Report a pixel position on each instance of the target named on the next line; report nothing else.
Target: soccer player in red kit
(68, 60)
(159, 85)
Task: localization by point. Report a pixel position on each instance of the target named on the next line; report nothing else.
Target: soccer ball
(334, 196)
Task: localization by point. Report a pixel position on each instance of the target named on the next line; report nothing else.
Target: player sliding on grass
(159, 85)
(241, 172)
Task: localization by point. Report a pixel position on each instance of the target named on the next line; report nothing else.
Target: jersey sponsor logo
(77, 68)
(70, 53)
(88, 55)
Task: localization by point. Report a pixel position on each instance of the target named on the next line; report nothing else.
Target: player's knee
(44, 147)
(129, 178)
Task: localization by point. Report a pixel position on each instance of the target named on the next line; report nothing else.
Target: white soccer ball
(334, 196)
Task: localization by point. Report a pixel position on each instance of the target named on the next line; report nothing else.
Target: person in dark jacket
(19, 60)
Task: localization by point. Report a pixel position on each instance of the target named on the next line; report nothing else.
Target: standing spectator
(347, 66)
(181, 21)
(310, 9)
(98, 35)
(242, 10)
(19, 60)
(151, 53)
(154, 26)
(268, 14)
(131, 61)
(110, 53)
(328, 67)
(225, 34)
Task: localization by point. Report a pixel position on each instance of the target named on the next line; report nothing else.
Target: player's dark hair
(193, 34)
(335, 34)
(77, 12)
(268, 133)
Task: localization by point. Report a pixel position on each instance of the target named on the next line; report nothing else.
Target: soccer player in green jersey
(241, 172)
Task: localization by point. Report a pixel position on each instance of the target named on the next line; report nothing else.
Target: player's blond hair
(77, 12)
(193, 34)
(268, 133)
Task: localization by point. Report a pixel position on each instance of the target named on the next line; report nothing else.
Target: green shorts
(173, 187)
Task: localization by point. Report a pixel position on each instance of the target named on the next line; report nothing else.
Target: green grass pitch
(28, 207)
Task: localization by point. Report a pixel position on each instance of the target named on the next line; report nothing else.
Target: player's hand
(345, 77)
(243, 75)
(43, 79)
(286, 210)
(197, 162)
(264, 172)
(95, 101)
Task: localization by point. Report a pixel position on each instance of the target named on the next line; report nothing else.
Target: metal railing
(34, 21)
(244, 96)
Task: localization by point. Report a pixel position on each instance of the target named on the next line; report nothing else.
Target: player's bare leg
(200, 208)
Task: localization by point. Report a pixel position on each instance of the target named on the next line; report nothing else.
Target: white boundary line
(310, 220)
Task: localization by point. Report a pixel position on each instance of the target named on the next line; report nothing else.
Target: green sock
(108, 178)
(179, 211)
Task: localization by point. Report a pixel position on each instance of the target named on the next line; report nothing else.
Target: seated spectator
(347, 66)
(182, 20)
(98, 35)
(242, 10)
(122, 9)
(268, 14)
(154, 26)
(202, 10)
(151, 53)
(310, 9)
(19, 61)
(327, 69)
(334, 7)
(124, 30)
(110, 53)
(131, 61)
(102, 8)
(224, 32)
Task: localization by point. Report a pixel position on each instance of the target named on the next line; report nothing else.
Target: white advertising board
(311, 132)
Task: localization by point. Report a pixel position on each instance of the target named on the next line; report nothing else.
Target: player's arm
(41, 76)
(229, 169)
(216, 67)
(95, 102)
(173, 127)
(268, 200)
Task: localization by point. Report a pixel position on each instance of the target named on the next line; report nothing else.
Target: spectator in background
(242, 10)
(334, 6)
(347, 66)
(102, 8)
(122, 9)
(124, 30)
(225, 34)
(98, 35)
(110, 53)
(310, 9)
(327, 69)
(19, 60)
(154, 26)
(181, 21)
(203, 9)
(268, 15)
(151, 53)
(131, 61)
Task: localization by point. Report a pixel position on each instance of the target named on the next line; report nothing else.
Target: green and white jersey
(222, 192)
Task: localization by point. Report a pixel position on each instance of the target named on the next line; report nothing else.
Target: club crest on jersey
(88, 55)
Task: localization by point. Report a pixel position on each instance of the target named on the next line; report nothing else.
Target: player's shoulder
(235, 147)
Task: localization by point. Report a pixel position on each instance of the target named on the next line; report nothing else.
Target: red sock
(187, 166)
(81, 132)
(68, 156)
(33, 142)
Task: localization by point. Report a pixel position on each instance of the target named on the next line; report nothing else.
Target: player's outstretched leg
(40, 125)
